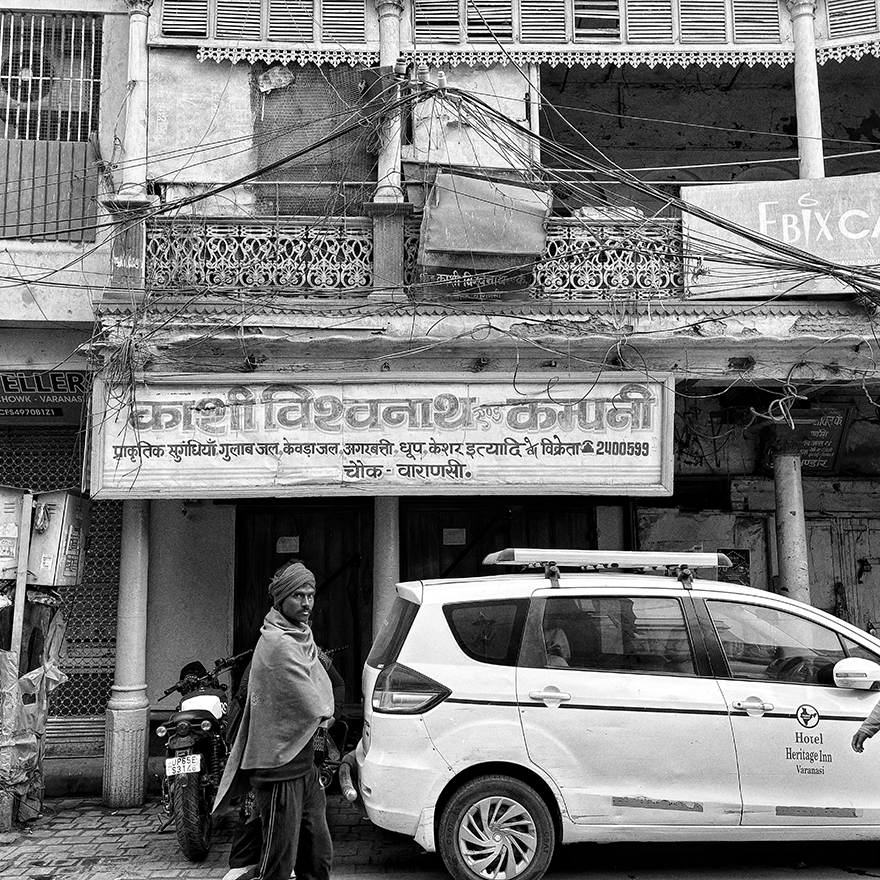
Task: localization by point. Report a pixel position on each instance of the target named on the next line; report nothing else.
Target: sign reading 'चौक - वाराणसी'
(212, 437)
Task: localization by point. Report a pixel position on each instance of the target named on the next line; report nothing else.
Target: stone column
(134, 168)
(389, 188)
(386, 556)
(128, 712)
(806, 89)
(791, 525)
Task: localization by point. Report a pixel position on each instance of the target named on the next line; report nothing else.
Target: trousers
(296, 838)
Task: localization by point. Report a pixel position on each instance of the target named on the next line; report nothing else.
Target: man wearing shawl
(289, 696)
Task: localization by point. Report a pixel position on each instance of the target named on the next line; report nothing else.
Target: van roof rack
(622, 560)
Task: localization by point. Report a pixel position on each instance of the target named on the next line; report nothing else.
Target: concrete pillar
(806, 89)
(128, 712)
(386, 556)
(791, 525)
(388, 161)
(134, 169)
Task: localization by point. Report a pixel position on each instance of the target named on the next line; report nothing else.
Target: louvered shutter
(489, 20)
(542, 21)
(756, 21)
(239, 19)
(185, 18)
(703, 21)
(846, 18)
(343, 21)
(649, 21)
(292, 21)
(437, 21)
(596, 20)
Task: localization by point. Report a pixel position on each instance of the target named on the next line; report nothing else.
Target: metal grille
(43, 459)
(50, 76)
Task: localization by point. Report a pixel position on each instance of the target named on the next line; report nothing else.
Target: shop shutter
(292, 21)
(489, 20)
(185, 18)
(596, 20)
(756, 21)
(649, 21)
(343, 21)
(239, 20)
(542, 21)
(846, 18)
(703, 21)
(437, 21)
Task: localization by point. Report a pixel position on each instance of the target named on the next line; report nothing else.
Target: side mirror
(856, 673)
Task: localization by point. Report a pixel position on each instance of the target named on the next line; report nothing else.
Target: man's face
(297, 607)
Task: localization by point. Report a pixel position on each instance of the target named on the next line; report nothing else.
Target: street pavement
(80, 839)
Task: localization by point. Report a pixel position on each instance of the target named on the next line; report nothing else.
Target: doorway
(334, 539)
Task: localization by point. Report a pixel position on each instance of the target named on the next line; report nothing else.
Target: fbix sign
(836, 219)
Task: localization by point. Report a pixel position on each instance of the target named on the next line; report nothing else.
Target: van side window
(488, 631)
(769, 644)
(609, 633)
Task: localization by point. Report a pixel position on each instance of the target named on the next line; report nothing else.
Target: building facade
(324, 328)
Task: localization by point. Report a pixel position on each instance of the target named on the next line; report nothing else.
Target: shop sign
(836, 219)
(192, 437)
(51, 397)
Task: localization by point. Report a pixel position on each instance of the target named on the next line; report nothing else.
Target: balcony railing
(583, 259)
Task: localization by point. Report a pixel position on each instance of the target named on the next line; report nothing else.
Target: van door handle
(753, 706)
(550, 696)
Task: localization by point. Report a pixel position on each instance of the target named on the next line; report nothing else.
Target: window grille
(50, 77)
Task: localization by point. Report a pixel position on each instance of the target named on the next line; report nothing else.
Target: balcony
(584, 260)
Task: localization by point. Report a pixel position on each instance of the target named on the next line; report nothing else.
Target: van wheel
(496, 828)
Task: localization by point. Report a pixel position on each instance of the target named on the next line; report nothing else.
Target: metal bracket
(551, 572)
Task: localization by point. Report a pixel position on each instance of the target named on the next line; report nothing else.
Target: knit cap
(289, 579)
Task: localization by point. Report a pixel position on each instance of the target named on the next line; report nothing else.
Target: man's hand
(858, 741)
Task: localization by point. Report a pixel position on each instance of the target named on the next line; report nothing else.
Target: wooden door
(336, 543)
(450, 537)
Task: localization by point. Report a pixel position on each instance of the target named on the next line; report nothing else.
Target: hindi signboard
(835, 218)
(235, 436)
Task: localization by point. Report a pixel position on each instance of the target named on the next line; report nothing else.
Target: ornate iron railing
(315, 256)
(583, 259)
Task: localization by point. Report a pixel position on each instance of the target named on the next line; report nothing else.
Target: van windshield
(393, 633)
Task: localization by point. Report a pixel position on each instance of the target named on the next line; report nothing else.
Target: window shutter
(343, 21)
(649, 21)
(703, 21)
(756, 21)
(846, 18)
(542, 21)
(292, 21)
(185, 18)
(596, 20)
(239, 20)
(489, 20)
(437, 21)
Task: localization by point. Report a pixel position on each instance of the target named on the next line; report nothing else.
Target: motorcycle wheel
(192, 816)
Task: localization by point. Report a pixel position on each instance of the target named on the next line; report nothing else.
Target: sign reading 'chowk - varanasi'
(198, 437)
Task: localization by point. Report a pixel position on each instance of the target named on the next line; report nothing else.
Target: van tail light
(400, 690)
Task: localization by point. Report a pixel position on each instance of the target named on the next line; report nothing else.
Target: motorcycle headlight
(161, 731)
(182, 728)
(205, 725)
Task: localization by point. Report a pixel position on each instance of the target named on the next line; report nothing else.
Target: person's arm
(869, 727)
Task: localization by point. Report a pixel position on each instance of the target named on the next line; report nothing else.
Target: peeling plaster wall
(191, 590)
(707, 532)
(203, 107)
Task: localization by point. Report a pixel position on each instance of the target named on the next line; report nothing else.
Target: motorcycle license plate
(183, 764)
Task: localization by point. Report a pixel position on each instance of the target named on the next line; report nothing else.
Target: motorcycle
(196, 752)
